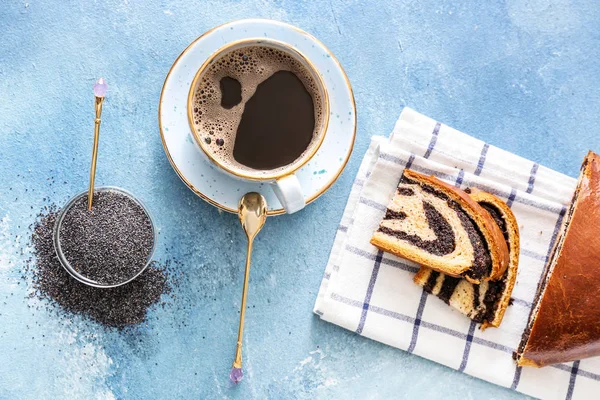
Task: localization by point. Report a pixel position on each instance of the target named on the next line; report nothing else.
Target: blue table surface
(521, 75)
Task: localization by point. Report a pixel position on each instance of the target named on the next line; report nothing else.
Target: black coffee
(257, 108)
(231, 92)
(280, 118)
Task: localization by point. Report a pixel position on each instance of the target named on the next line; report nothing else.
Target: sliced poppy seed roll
(484, 303)
(438, 225)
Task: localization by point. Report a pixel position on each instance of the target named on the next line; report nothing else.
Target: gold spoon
(253, 214)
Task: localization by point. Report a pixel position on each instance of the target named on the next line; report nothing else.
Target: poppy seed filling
(445, 238)
(487, 307)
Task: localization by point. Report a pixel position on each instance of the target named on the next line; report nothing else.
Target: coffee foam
(249, 65)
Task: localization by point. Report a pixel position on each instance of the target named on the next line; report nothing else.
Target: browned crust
(422, 276)
(514, 249)
(485, 222)
(563, 324)
(380, 241)
(525, 362)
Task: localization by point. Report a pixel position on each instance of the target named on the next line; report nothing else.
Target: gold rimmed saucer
(205, 179)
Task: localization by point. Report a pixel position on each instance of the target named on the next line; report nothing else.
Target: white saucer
(205, 179)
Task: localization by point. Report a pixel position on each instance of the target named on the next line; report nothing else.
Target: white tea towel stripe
(363, 172)
(372, 293)
(455, 148)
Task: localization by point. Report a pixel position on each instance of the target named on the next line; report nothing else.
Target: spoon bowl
(252, 213)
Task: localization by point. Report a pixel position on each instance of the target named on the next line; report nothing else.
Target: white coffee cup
(284, 182)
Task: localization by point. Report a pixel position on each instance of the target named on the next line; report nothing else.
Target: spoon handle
(237, 362)
(97, 121)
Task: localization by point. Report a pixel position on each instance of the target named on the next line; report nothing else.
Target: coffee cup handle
(289, 193)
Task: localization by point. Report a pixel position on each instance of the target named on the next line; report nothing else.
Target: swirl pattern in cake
(435, 224)
(484, 303)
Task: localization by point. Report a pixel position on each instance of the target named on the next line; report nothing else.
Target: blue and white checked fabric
(372, 293)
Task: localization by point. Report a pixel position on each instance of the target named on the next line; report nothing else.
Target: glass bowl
(61, 256)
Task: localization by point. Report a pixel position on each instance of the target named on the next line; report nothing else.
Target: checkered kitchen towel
(372, 293)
